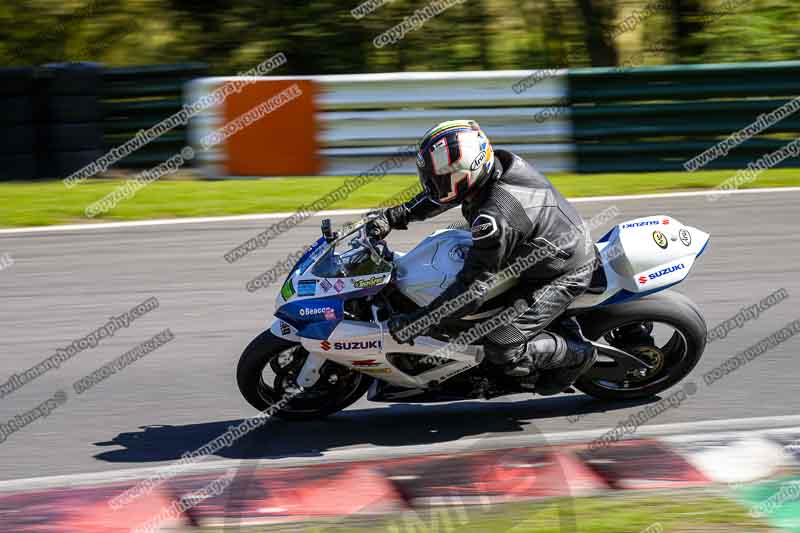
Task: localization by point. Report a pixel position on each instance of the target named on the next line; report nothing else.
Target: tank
(431, 266)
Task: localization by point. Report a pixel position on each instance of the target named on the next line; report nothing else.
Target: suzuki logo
(352, 345)
(358, 345)
(663, 272)
(668, 270)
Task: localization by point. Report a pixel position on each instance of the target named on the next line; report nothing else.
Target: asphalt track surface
(65, 284)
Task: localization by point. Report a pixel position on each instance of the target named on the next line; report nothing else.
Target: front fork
(310, 373)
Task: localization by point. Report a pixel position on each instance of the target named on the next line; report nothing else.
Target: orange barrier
(284, 142)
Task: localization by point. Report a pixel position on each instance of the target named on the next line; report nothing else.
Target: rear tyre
(338, 387)
(675, 359)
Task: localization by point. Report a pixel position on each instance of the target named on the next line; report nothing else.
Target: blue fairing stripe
(605, 237)
(703, 249)
(319, 330)
(303, 263)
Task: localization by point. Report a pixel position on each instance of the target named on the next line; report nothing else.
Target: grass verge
(46, 203)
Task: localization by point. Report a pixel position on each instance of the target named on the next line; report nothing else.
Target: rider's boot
(524, 364)
(514, 361)
(524, 370)
(574, 356)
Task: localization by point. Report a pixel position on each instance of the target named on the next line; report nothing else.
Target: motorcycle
(329, 343)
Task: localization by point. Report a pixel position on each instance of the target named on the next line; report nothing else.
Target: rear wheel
(665, 330)
(267, 372)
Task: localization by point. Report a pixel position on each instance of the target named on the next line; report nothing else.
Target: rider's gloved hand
(380, 223)
(405, 327)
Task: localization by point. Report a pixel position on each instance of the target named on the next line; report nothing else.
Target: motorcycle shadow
(394, 425)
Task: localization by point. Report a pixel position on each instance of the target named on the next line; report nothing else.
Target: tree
(598, 16)
(688, 27)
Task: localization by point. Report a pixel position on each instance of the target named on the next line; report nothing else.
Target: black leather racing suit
(519, 212)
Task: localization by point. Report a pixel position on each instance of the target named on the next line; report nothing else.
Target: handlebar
(373, 244)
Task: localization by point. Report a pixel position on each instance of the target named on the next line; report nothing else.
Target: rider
(513, 211)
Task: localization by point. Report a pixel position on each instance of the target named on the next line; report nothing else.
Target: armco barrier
(364, 119)
(657, 118)
(584, 120)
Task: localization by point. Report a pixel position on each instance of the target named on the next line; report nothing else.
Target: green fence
(138, 98)
(657, 118)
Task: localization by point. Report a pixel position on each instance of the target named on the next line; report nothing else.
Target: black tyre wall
(16, 81)
(71, 108)
(17, 167)
(17, 129)
(17, 139)
(69, 117)
(55, 162)
(16, 110)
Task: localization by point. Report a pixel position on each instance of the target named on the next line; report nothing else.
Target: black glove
(398, 323)
(380, 223)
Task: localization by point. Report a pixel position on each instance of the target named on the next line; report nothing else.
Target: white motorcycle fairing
(639, 257)
(644, 256)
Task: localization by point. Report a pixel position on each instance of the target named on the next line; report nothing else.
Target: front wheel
(665, 329)
(266, 377)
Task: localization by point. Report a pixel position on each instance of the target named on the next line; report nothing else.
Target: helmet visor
(445, 188)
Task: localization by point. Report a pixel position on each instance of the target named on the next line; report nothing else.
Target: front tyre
(666, 329)
(266, 377)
